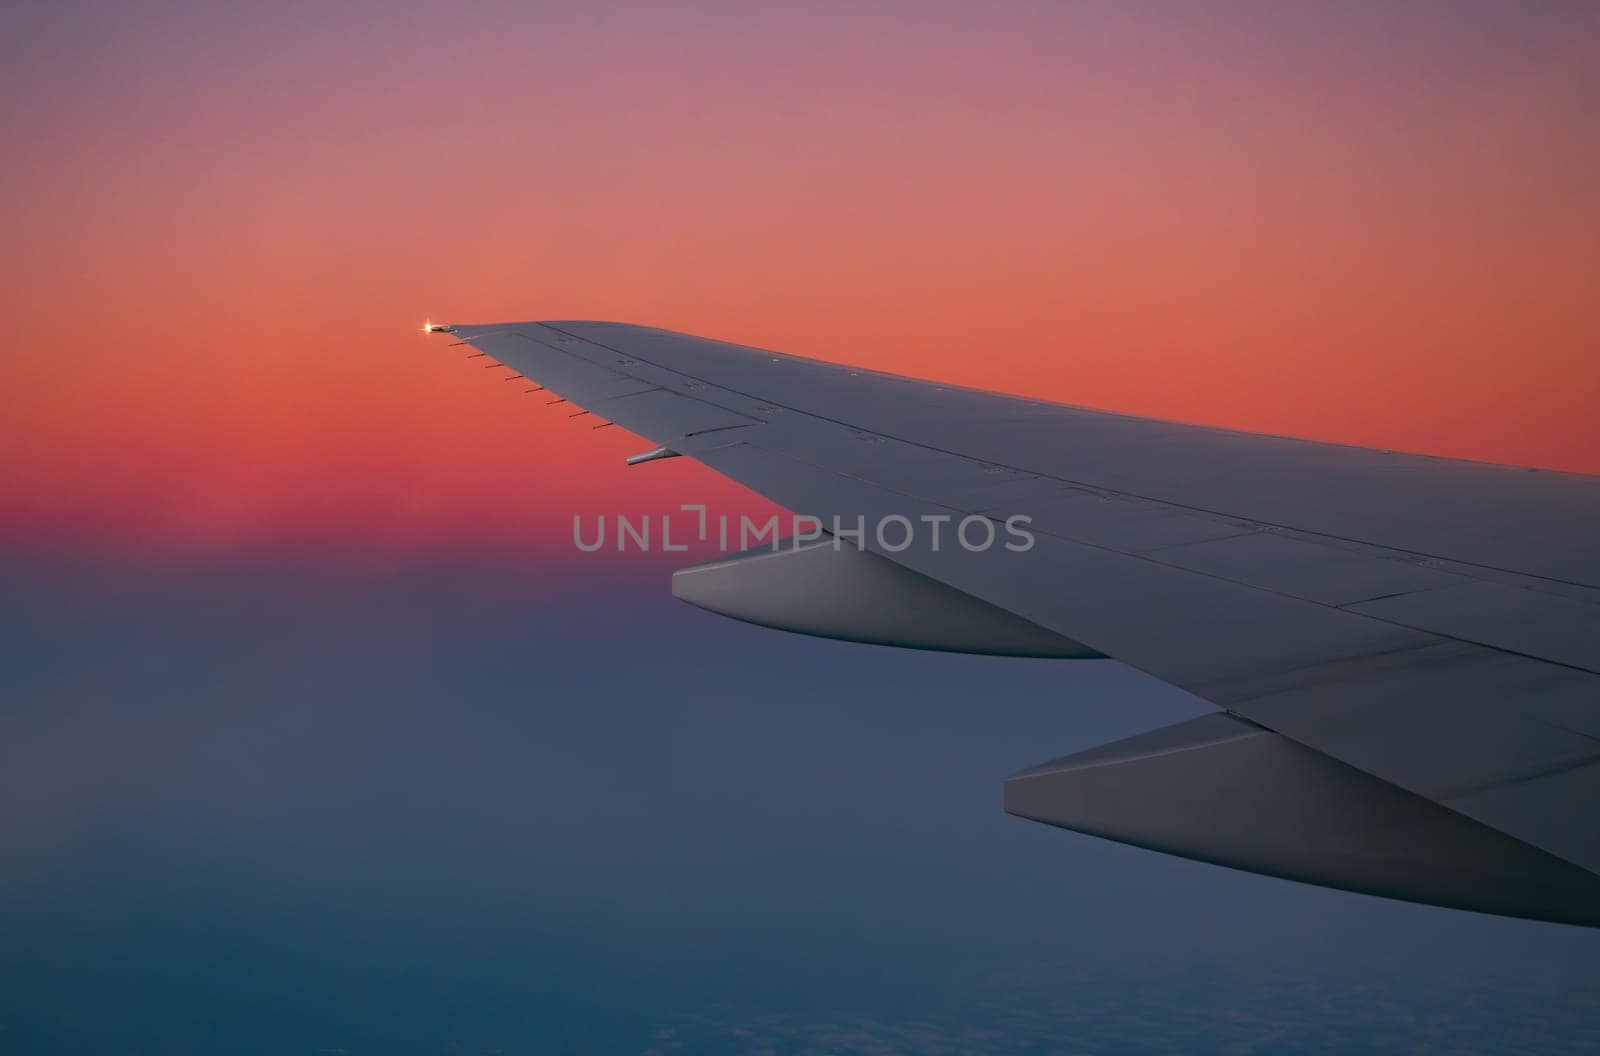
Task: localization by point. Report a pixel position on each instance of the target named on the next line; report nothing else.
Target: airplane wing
(1405, 650)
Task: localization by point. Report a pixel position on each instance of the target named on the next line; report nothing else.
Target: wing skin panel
(1135, 609)
(558, 370)
(1315, 571)
(1112, 519)
(1531, 622)
(1123, 523)
(894, 465)
(1429, 719)
(632, 393)
(1534, 522)
(669, 416)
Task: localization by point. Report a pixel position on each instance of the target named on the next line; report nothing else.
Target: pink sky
(223, 229)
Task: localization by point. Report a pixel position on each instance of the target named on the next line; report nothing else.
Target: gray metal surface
(1427, 621)
(1226, 791)
(839, 591)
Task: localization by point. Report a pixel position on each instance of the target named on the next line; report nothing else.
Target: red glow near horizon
(1363, 226)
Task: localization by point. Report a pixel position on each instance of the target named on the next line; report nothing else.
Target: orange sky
(222, 231)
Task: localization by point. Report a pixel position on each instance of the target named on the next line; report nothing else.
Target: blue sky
(453, 807)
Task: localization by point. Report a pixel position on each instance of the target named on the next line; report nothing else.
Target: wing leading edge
(1427, 628)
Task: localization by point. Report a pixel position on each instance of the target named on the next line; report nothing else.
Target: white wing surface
(1405, 649)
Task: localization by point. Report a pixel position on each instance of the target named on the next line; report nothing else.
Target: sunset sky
(316, 735)
(223, 226)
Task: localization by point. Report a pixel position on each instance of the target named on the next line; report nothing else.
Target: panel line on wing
(1202, 510)
(1153, 558)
